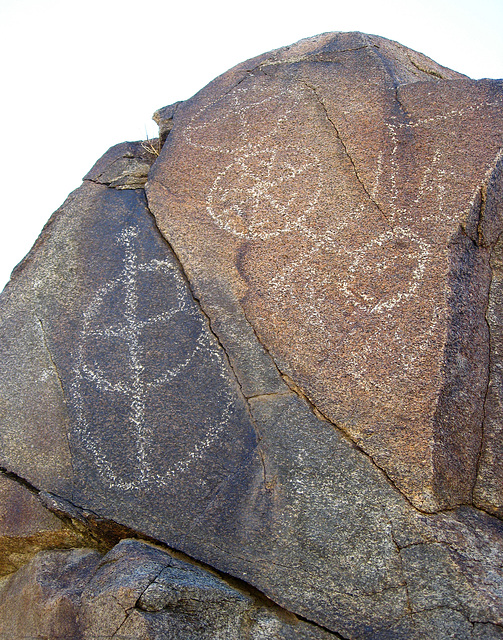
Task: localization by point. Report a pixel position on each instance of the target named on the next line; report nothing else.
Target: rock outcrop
(135, 591)
(269, 340)
(337, 195)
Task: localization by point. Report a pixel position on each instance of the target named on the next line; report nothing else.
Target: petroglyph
(126, 333)
(256, 182)
(434, 179)
(268, 188)
(257, 177)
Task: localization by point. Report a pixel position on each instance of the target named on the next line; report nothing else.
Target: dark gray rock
(487, 632)
(143, 401)
(125, 166)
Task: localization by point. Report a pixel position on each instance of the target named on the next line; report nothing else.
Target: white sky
(78, 77)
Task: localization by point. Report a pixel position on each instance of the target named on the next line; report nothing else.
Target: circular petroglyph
(112, 362)
(386, 271)
(263, 193)
(265, 187)
(242, 105)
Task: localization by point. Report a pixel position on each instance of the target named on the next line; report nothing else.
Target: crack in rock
(344, 146)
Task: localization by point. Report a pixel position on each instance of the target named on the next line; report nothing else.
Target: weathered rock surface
(135, 591)
(332, 190)
(141, 357)
(26, 527)
(164, 119)
(488, 491)
(297, 382)
(125, 166)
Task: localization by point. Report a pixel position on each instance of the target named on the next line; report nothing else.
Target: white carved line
(249, 213)
(241, 201)
(136, 387)
(445, 116)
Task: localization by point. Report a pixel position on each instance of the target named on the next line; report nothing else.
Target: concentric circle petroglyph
(363, 282)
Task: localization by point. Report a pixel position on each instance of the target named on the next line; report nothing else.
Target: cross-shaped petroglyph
(135, 381)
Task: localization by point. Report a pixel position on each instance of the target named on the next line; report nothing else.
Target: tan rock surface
(26, 527)
(331, 190)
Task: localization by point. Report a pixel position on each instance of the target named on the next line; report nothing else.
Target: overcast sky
(78, 77)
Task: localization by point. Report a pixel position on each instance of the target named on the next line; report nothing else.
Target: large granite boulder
(271, 341)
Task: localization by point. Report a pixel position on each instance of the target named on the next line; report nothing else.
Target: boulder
(135, 591)
(270, 340)
(342, 194)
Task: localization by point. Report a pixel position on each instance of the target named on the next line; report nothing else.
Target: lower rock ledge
(26, 527)
(137, 591)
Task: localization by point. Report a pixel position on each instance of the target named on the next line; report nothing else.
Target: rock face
(274, 347)
(135, 591)
(26, 527)
(334, 192)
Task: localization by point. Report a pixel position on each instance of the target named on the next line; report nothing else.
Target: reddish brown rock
(488, 493)
(42, 599)
(26, 527)
(331, 191)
